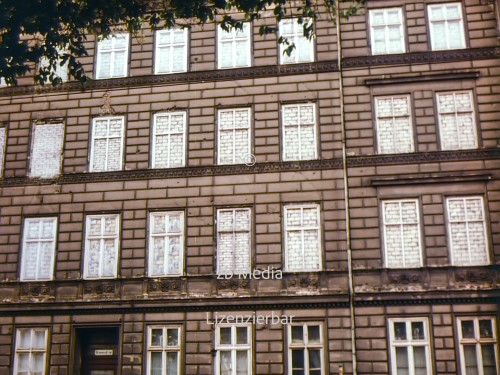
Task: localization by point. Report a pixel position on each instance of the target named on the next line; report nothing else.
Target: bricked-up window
(394, 125)
(387, 31)
(164, 350)
(3, 143)
(304, 48)
(107, 144)
(302, 238)
(234, 47)
(402, 233)
(299, 132)
(169, 143)
(457, 126)
(410, 348)
(233, 136)
(467, 231)
(112, 56)
(233, 240)
(233, 345)
(101, 246)
(171, 51)
(446, 26)
(478, 345)
(31, 351)
(46, 155)
(305, 349)
(39, 244)
(166, 243)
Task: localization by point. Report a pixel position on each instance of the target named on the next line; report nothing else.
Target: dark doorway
(96, 351)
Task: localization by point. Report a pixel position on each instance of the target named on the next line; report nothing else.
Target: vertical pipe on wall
(346, 192)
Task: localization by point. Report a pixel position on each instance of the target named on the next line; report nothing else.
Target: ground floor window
(233, 345)
(164, 350)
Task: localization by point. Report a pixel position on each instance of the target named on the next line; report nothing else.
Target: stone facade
(139, 234)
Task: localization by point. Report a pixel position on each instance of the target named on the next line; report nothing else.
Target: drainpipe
(346, 195)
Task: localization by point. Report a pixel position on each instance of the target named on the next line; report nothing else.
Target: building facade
(208, 205)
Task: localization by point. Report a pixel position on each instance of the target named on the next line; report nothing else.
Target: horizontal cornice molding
(422, 78)
(429, 179)
(262, 72)
(104, 307)
(219, 170)
(422, 57)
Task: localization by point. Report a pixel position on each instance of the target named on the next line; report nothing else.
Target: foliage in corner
(54, 31)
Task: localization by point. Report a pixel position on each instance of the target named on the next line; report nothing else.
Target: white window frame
(169, 135)
(396, 148)
(386, 26)
(302, 229)
(447, 31)
(306, 345)
(400, 224)
(108, 137)
(31, 350)
(236, 36)
(233, 347)
(113, 51)
(244, 155)
(294, 37)
(58, 153)
(166, 236)
(477, 341)
(61, 71)
(233, 231)
(171, 46)
(409, 344)
(164, 348)
(38, 241)
(456, 114)
(300, 126)
(466, 221)
(3, 147)
(101, 237)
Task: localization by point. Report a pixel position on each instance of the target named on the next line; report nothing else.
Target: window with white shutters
(169, 140)
(171, 51)
(299, 132)
(478, 345)
(46, 154)
(305, 349)
(112, 57)
(166, 243)
(457, 127)
(302, 238)
(467, 231)
(446, 26)
(234, 47)
(233, 240)
(164, 350)
(101, 246)
(294, 33)
(39, 245)
(233, 349)
(394, 125)
(233, 145)
(106, 151)
(402, 233)
(387, 31)
(31, 351)
(410, 347)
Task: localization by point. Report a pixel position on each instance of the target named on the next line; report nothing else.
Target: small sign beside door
(102, 352)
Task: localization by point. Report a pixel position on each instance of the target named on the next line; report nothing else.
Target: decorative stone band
(264, 71)
(218, 170)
